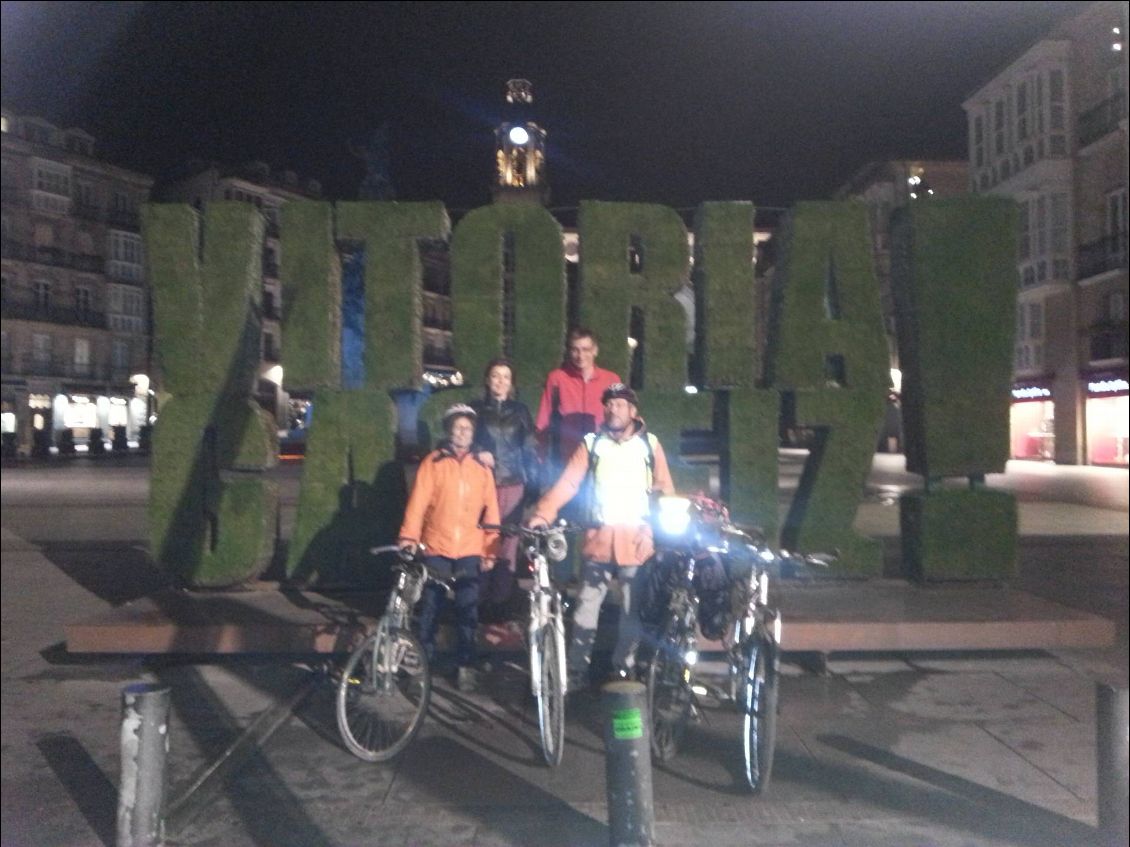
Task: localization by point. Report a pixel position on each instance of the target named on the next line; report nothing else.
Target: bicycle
(694, 532)
(670, 697)
(755, 648)
(545, 632)
(386, 685)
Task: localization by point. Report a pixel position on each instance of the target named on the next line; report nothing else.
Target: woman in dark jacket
(505, 442)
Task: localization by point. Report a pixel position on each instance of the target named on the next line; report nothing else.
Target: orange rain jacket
(622, 544)
(449, 500)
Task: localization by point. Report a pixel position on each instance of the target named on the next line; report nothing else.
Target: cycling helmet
(459, 410)
(618, 390)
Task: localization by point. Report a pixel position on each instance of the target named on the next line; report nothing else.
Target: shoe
(467, 680)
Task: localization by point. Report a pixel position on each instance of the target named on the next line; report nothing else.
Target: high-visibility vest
(621, 474)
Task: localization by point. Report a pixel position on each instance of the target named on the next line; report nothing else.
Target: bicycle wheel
(759, 704)
(383, 695)
(551, 698)
(668, 696)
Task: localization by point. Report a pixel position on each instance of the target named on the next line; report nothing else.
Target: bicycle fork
(541, 602)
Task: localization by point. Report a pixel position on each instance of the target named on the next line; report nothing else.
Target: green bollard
(627, 765)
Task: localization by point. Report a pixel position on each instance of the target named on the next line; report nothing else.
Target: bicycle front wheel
(383, 695)
(551, 698)
(759, 705)
(668, 697)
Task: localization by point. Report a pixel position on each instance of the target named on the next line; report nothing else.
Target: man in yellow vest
(627, 465)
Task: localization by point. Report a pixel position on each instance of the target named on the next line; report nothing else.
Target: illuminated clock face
(518, 135)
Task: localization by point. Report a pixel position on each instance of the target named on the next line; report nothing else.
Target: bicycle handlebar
(532, 532)
(417, 556)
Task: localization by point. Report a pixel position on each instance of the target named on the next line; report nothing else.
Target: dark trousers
(497, 585)
(466, 573)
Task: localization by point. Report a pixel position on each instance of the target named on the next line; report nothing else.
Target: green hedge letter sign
(211, 513)
(827, 348)
(954, 279)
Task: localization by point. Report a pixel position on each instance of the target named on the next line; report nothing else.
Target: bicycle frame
(544, 608)
(683, 611)
(384, 688)
(757, 612)
(395, 618)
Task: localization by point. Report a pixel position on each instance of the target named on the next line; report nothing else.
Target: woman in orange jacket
(453, 494)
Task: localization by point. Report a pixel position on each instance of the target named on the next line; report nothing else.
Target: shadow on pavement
(445, 770)
(947, 799)
(462, 716)
(114, 571)
(258, 788)
(91, 790)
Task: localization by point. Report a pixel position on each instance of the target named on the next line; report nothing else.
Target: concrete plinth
(877, 615)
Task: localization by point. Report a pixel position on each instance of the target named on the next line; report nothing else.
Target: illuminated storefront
(1032, 422)
(87, 416)
(1108, 418)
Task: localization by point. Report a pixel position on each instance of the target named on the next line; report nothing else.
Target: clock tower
(520, 150)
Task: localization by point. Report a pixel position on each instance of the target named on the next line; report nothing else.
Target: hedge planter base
(958, 535)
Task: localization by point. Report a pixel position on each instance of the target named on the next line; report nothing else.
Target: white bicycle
(545, 632)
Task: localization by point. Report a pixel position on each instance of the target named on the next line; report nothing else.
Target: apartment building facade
(1050, 131)
(75, 311)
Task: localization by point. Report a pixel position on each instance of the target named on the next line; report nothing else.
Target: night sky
(673, 103)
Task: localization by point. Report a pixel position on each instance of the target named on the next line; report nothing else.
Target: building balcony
(1109, 340)
(52, 256)
(1106, 254)
(28, 365)
(1102, 119)
(127, 273)
(124, 219)
(86, 211)
(29, 310)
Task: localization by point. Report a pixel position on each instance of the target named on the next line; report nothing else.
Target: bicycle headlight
(556, 547)
(690, 657)
(674, 516)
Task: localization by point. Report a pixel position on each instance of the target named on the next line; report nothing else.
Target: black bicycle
(694, 535)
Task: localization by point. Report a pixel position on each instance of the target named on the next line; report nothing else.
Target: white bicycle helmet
(459, 410)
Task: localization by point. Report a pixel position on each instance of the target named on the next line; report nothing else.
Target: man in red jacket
(571, 405)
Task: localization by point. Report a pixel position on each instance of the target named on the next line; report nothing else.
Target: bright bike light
(556, 547)
(690, 657)
(674, 515)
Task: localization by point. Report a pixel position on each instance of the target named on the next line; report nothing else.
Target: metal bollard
(1112, 711)
(627, 765)
(145, 747)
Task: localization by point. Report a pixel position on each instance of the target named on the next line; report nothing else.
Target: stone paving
(901, 749)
